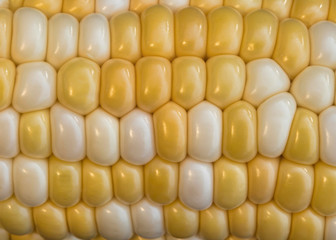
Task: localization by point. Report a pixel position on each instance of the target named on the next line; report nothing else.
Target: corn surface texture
(167, 119)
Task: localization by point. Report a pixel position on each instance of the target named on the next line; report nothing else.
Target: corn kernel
(7, 78)
(5, 32)
(6, 178)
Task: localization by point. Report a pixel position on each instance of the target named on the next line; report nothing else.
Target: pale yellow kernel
(157, 32)
(310, 11)
(260, 31)
(272, 222)
(35, 139)
(78, 85)
(48, 7)
(225, 80)
(153, 83)
(189, 81)
(292, 48)
(324, 196)
(125, 174)
(170, 128)
(81, 221)
(213, 224)
(97, 184)
(139, 6)
(161, 181)
(242, 220)
(294, 187)
(244, 6)
(281, 8)
(225, 31)
(240, 132)
(117, 91)
(307, 225)
(65, 182)
(230, 183)
(190, 32)
(125, 36)
(50, 221)
(5, 32)
(262, 173)
(181, 222)
(206, 6)
(7, 78)
(303, 141)
(16, 218)
(78, 8)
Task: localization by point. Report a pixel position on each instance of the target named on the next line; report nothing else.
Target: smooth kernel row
(238, 132)
(309, 12)
(198, 184)
(262, 37)
(149, 220)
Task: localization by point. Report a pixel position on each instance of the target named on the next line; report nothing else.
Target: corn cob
(166, 119)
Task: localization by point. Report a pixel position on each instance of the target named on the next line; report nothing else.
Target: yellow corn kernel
(244, 6)
(213, 224)
(170, 128)
(81, 221)
(332, 11)
(16, 218)
(78, 85)
(260, 31)
(292, 48)
(324, 196)
(206, 6)
(35, 134)
(7, 78)
(225, 31)
(50, 221)
(161, 181)
(262, 176)
(189, 81)
(125, 174)
(78, 8)
(65, 182)
(139, 6)
(97, 184)
(242, 220)
(181, 222)
(117, 91)
(310, 11)
(240, 132)
(48, 7)
(281, 8)
(5, 32)
(307, 225)
(225, 80)
(303, 141)
(294, 186)
(190, 32)
(157, 32)
(230, 183)
(125, 36)
(15, 4)
(272, 222)
(153, 83)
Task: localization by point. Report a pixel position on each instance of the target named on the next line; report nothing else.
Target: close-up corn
(167, 119)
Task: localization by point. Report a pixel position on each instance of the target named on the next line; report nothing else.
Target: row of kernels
(197, 184)
(309, 12)
(148, 220)
(258, 40)
(223, 80)
(237, 133)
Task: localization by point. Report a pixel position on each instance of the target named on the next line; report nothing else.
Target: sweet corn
(167, 119)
